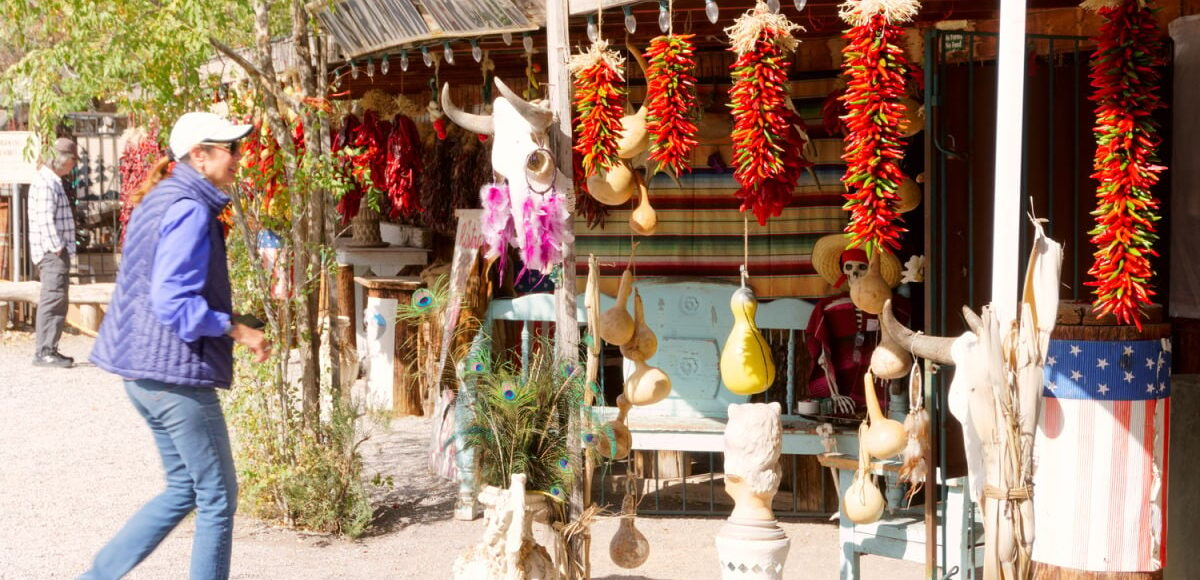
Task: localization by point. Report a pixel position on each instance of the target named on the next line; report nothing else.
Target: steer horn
(538, 117)
(481, 124)
(934, 348)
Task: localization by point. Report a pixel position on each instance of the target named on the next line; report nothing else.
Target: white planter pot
(752, 549)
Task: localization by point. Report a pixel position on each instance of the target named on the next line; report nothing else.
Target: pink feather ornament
(496, 224)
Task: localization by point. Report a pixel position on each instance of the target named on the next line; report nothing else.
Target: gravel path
(76, 460)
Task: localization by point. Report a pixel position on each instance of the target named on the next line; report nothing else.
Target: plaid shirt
(51, 222)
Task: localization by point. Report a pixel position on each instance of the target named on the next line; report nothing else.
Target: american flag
(1100, 456)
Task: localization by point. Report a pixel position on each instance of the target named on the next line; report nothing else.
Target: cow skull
(519, 147)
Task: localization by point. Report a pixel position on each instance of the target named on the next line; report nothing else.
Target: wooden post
(566, 335)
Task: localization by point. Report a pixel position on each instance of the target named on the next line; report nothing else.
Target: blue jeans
(189, 428)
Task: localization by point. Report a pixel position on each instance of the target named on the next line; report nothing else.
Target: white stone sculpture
(751, 543)
(507, 550)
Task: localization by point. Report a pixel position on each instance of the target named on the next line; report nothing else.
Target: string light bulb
(711, 10)
(800, 4)
(404, 61)
(449, 52)
(425, 56)
(593, 31)
(370, 68)
(506, 37)
(664, 16)
(476, 52)
(773, 6)
(383, 66)
(630, 20)
(353, 70)
(527, 42)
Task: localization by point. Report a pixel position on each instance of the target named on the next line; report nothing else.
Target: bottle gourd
(746, 364)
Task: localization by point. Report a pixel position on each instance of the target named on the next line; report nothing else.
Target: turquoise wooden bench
(692, 319)
(900, 533)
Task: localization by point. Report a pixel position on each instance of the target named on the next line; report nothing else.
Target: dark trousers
(52, 305)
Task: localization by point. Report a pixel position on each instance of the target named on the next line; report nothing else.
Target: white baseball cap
(193, 129)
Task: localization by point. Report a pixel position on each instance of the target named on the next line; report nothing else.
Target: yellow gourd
(647, 385)
(616, 325)
(872, 291)
(885, 437)
(644, 343)
(746, 364)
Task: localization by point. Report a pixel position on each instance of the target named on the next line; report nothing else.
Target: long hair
(161, 169)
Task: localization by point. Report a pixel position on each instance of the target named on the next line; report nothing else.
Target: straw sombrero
(910, 193)
(827, 253)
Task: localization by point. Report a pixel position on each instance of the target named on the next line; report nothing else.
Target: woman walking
(169, 334)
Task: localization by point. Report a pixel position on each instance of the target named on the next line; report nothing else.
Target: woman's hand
(253, 339)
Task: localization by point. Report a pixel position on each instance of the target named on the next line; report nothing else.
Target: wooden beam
(80, 293)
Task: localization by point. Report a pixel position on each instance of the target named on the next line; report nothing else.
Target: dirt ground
(76, 460)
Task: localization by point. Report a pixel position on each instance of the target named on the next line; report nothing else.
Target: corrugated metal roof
(362, 27)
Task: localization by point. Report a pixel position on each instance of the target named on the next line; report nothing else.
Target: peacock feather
(521, 420)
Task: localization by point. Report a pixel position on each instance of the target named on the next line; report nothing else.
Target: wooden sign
(14, 167)
(467, 242)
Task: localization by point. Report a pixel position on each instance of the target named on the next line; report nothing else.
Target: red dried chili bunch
(670, 97)
(138, 156)
(876, 69)
(767, 154)
(404, 164)
(599, 104)
(1126, 82)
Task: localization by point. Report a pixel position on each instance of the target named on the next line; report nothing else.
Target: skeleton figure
(840, 337)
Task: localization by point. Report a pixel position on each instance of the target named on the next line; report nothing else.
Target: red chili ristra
(670, 97)
(1126, 78)
(599, 96)
(876, 68)
(766, 145)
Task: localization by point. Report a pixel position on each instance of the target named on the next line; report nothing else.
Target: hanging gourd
(644, 342)
(863, 503)
(644, 220)
(1125, 75)
(629, 548)
(599, 105)
(746, 364)
(767, 145)
(616, 325)
(876, 119)
(646, 385)
(614, 440)
(613, 186)
(885, 437)
(670, 98)
(872, 291)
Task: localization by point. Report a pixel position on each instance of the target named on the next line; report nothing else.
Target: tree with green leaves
(146, 57)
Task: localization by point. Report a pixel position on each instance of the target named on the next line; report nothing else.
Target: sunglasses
(233, 147)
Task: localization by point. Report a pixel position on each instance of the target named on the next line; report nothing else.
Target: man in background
(51, 246)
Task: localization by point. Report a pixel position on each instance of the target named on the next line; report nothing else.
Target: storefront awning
(363, 27)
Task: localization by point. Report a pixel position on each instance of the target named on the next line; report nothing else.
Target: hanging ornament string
(745, 248)
(767, 147)
(876, 68)
(1126, 78)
